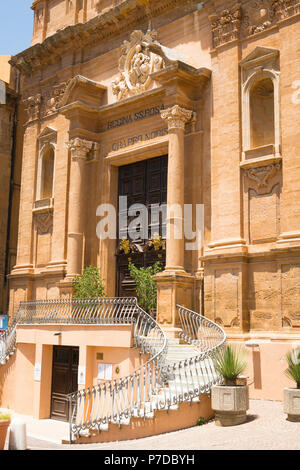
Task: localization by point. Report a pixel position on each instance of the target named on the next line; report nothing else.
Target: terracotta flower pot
(4, 425)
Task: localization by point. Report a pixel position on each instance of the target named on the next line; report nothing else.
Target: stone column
(176, 118)
(174, 285)
(80, 152)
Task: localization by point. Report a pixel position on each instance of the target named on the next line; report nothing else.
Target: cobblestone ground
(266, 429)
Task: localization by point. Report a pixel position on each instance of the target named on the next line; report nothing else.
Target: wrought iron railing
(116, 401)
(199, 331)
(78, 311)
(190, 377)
(8, 342)
(67, 311)
(157, 384)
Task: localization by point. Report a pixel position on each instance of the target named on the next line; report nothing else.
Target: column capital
(82, 149)
(176, 116)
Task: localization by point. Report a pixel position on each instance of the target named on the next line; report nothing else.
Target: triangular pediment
(259, 54)
(47, 134)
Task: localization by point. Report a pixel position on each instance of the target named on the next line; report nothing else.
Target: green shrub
(230, 363)
(293, 361)
(4, 416)
(89, 284)
(146, 288)
(201, 421)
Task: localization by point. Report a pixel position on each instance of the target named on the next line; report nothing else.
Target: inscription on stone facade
(138, 138)
(134, 117)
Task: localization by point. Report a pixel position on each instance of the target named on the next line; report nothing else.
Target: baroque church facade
(10, 170)
(179, 102)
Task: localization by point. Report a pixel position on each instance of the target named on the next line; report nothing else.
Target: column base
(172, 332)
(66, 287)
(173, 288)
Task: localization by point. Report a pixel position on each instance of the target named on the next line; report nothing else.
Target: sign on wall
(3, 322)
(81, 375)
(104, 371)
(37, 372)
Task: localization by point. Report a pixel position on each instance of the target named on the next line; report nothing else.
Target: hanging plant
(125, 246)
(156, 240)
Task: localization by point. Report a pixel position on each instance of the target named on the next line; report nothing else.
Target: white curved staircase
(175, 374)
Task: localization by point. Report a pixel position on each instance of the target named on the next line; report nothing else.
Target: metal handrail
(104, 310)
(200, 331)
(188, 378)
(156, 385)
(195, 375)
(116, 401)
(8, 341)
(67, 311)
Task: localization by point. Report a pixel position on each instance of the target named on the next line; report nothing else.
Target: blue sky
(16, 19)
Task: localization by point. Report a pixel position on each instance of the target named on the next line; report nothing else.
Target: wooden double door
(143, 182)
(64, 380)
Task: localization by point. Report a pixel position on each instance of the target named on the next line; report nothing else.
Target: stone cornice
(112, 23)
(95, 89)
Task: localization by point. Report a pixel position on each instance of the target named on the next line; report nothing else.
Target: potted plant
(5, 418)
(146, 287)
(230, 401)
(292, 395)
(89, 285)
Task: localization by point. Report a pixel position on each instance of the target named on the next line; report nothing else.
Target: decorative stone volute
(176, 117)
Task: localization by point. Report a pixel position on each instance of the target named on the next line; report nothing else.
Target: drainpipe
(11, 188)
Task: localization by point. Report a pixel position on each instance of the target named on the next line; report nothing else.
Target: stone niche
(44, 224)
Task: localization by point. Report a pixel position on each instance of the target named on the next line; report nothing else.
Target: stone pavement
(266, 429)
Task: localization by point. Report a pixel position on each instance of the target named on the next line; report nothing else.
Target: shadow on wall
(257, 382)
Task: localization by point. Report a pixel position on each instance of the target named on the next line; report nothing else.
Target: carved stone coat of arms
(136, 64)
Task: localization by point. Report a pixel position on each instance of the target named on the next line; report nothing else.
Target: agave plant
(5, 416)
(230, 363)
(293, 361)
